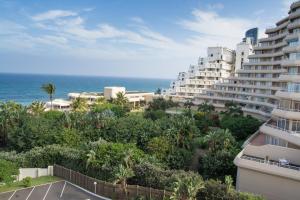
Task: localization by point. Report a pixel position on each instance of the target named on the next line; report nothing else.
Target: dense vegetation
(148, 148)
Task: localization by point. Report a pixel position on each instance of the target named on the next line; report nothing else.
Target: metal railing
(271, 162)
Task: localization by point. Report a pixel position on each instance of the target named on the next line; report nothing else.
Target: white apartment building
(256, 79)
(269, 164)
(214, 68)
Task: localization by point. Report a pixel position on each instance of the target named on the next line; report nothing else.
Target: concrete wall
(270, 186)
(34, 172)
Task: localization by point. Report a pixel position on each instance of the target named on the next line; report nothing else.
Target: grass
(35, 181)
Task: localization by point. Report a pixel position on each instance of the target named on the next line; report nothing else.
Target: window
(211, 55)
(242, 53)
(275, 141)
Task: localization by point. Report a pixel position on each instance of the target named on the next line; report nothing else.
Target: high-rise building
(217, 66)
(252, 34)
(269, 164)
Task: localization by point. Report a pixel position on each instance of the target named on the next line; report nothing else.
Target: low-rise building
(135, 98)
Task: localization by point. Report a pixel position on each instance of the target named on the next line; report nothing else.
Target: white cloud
(53, 14)
(137, 20)
(216, 6)
(259, 12)
(67, 33)
(210, 23)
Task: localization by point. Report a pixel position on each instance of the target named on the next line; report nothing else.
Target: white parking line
(12, 195)
(62, 191)
(47, 191)
(30, 193)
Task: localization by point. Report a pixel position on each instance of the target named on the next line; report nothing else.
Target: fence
(109, 190)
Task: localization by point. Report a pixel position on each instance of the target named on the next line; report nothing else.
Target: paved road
(55, 191)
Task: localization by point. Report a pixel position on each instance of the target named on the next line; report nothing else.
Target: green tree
(10, 113)
(158, 91)
(70, 138)
(217, 165)
(36, 107)
(205, 107)
(219, 139)
(233, 109)
(159, 146)
(241, 127)
(79, 105)
(187, 186)
(124, 171)
(49, 88)
(160, 104)
(121, 99)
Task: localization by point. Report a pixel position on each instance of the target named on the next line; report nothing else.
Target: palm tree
(233, 109)
(188, 104)
(124, 171)
(100, 101)
(9, 115)
(187, 187)
(91, 157)
(79, 105)
(49, 88)
(205, 107)
(219, 139)
(158, 91)
(121, 99)
(36, 107)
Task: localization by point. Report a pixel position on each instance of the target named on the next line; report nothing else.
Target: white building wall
(34, 172)
(243, 50)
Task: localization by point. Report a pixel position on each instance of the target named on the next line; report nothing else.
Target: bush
(218, 164)
(216, 190)
(179, 159)
(27, 181)
(240, 127)
(8, 171)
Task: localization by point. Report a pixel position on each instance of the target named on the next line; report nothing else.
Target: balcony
(291, 49)
(290, 63)
(281, 26)
(287, 94)
(271, 162)
(266, 55)
(271, 128)
(272, 38)
(276, 62)
(295, 24)
(253, 157)
(290, 77)
(286, 113)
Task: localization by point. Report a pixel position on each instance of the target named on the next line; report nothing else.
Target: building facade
(217, 66)
(256, 78)
(269, 164)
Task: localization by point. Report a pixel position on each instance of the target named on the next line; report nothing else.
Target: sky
(125, 38)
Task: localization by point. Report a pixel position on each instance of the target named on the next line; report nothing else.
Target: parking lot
(54, 191)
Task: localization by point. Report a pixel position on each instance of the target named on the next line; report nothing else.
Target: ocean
(26, 88)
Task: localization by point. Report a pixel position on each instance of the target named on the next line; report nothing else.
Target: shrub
(8, 171)
(240, 127)
(179, 158)
(27, 181)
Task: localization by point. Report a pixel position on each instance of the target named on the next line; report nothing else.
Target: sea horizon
(25, 88)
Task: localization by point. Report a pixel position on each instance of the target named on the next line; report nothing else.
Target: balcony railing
(272, 123)
(271, 162)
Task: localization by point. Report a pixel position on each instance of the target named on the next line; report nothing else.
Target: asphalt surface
(61, 190)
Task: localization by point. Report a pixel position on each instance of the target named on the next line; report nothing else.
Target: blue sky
(129, 38)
